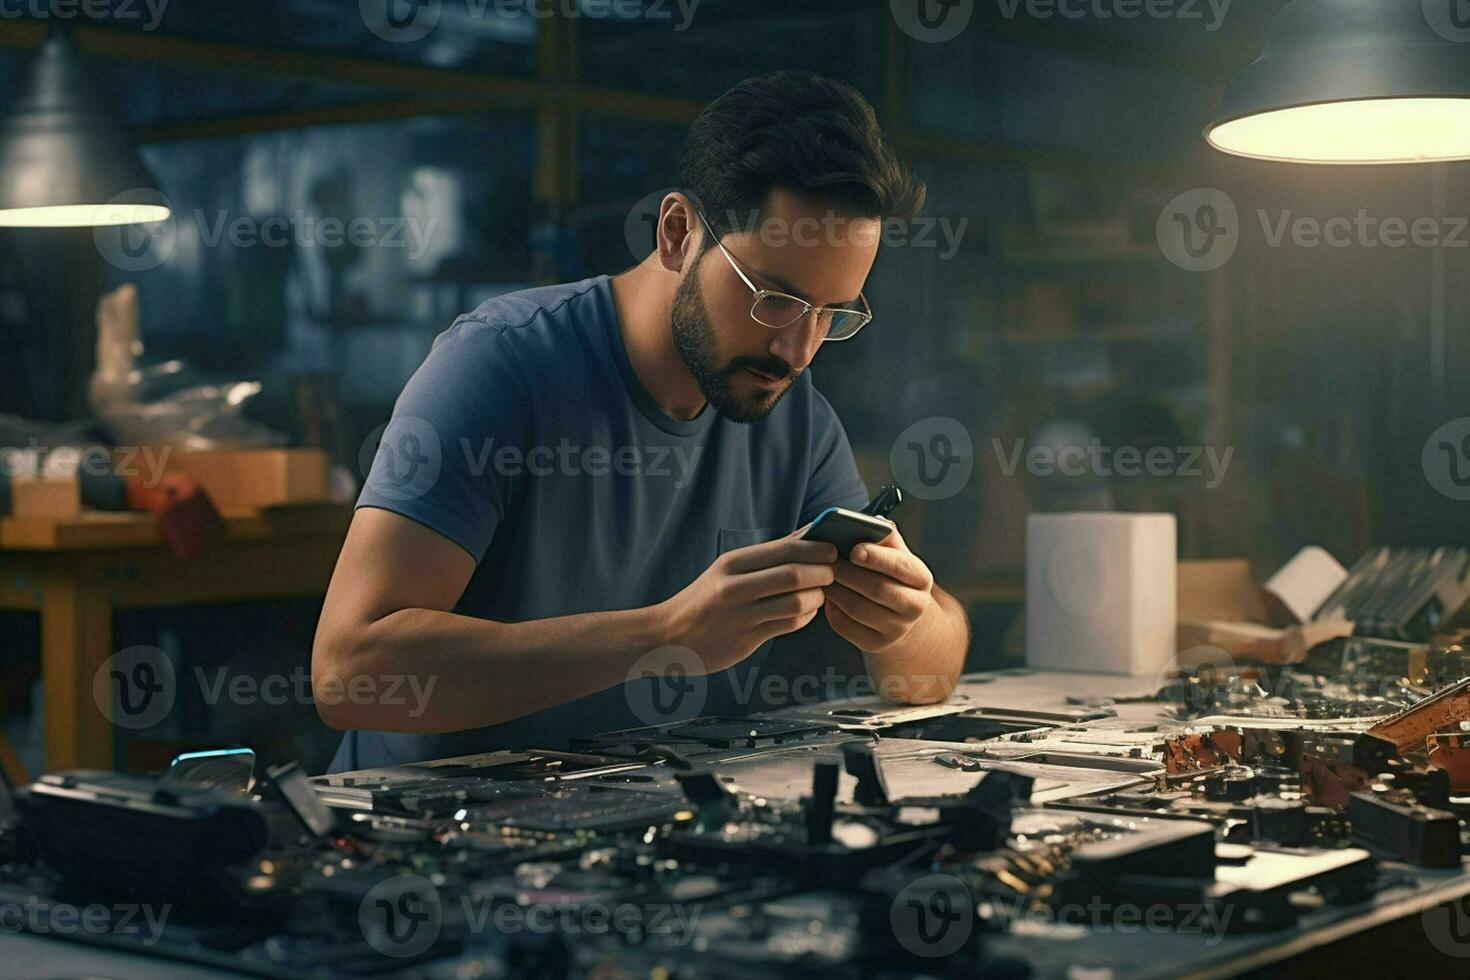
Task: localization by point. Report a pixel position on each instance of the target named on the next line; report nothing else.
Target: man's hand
(879, 595)
(748, 596)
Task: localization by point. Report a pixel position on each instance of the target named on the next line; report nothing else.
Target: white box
(1101, 592)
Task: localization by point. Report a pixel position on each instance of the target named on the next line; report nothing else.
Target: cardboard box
(45, 496)
(1221, 605)
(252, 479)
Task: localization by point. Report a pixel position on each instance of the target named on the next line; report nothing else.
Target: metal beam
(186, 52)
(216, 127)
(443, 91)
(481, 88)
(938, 144)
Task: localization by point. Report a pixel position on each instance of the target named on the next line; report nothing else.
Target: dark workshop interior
(309, 668)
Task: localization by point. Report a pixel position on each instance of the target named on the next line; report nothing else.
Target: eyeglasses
(777, 309)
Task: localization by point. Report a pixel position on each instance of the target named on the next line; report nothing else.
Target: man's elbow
(332, 660)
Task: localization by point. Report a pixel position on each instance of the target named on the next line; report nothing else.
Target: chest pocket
(731, 538)
(747, 672)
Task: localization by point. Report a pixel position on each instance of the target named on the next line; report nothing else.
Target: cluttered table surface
(1038, 824)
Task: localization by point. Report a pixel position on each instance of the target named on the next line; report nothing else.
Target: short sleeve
(833, 479)
(435, 462)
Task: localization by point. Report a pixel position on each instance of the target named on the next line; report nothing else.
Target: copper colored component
(1330, 783)
(1228, 741)
(1409, 728)
(1189, 753)
(1201, 750)
(1451, 753)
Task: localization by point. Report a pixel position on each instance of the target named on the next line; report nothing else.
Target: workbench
(76, 572)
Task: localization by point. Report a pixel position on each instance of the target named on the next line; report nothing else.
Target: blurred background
(490, 146)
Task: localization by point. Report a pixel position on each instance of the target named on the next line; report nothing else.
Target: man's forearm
(470, 673)
(924, 666)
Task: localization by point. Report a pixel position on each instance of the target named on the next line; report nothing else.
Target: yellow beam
(480, 89)
(262, 122)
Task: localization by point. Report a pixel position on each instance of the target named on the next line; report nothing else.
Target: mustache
(771, 367)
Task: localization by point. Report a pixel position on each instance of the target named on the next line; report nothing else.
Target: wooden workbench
(76, 572)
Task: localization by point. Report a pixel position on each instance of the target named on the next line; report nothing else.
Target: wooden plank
(152, 579)
(101, 530)
(232, 573)
(76, 640)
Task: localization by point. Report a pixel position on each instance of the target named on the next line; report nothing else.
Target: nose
(797, 343)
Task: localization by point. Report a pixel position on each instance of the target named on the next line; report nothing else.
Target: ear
(679, 232)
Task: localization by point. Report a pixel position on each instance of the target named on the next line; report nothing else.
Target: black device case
(847, 529)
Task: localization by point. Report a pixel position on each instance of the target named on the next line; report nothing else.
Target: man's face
(799, 246)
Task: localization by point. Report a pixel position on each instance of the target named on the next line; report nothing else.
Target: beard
(695, 340)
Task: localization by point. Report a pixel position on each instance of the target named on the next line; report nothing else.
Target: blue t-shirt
(526, 439)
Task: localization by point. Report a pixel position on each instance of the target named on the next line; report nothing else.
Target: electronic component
(1371, 666)
(301, 798)
(712, 733)
(1409, 728)
(846, 529)
(113, 837)
(860, 763)
(821, 807)
(1172, 848)
(1450, 753)
(1401, 827)
(885, 503)
(577, 808)
(227, 769)
(839, 837)
(1401, 593)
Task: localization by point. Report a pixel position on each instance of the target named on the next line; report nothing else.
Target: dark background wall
(1038, 307)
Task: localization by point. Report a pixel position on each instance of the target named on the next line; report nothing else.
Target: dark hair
(797, 130)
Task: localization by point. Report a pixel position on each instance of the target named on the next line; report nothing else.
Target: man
(581, 477)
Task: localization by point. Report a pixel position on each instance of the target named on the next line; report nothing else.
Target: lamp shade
(64, 162)
(1354, 81)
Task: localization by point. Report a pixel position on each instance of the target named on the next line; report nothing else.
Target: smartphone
(847, 529)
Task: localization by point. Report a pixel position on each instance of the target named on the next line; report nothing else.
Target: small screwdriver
(885, 503)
